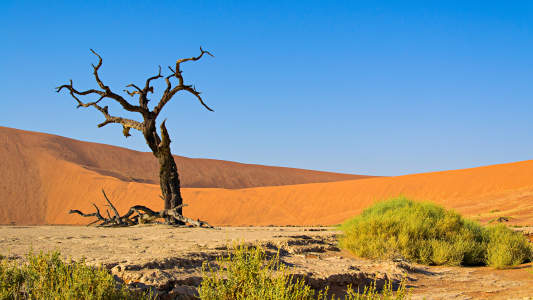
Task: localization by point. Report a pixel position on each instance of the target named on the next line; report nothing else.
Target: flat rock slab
(169, 259)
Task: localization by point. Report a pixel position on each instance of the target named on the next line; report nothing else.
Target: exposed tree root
(143, 215)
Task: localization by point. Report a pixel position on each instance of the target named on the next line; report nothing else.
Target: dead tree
(160, 145)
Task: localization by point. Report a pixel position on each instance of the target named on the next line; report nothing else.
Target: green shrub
(243, 275)
(47, 276)
(426, 233)
(506, 248)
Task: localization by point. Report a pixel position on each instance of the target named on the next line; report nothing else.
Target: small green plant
(426, 233)
(370, 292)
(47, 276)
(246, 275)
(493, 211)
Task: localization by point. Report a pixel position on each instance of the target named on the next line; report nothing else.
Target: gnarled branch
(111, 205)
(96, 214)
(106, 93)
(126, 123)
(147, 87)
(147, 216)
(170, 92)
(197, 94)
(177, 73)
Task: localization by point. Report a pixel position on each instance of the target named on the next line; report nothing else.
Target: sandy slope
(474, 192)
(133, 166)
(41, 173)
(44, 176)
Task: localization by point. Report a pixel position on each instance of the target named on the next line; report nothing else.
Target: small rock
(118, 279)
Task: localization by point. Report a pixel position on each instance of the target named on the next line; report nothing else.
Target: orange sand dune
(41, 173)
(39, 186)
(473, 192)
(133, 166)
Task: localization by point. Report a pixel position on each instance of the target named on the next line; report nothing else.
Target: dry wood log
(144, 215)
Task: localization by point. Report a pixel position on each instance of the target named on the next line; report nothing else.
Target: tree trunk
(168, 171)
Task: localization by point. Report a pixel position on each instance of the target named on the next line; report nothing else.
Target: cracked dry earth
(169, 259)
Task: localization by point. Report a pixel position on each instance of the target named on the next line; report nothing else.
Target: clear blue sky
(361, 87)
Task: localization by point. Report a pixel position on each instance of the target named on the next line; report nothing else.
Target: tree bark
(168, 171)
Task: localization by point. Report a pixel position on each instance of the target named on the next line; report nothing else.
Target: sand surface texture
(44, 176)
(170, 259)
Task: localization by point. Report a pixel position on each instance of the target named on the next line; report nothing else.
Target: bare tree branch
(111, 205)
(197, 94)
(147, 87)
(138, 91)
(126, 123)
(73, 90)
(169, 92)
(96, 214)
(108, 93)
(169, 85)
(146, 217)
(165, 138)
(177, 73)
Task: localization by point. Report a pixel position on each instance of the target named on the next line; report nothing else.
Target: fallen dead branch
(143, 215)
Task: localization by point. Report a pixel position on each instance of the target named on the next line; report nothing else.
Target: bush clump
(47, 276)
(426, 233)
(243, 275)
(246, 275)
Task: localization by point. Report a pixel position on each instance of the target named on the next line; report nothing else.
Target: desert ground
(281, 209)
(169, 259)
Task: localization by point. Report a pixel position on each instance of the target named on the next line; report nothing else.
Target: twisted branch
(143, 100)
(170, 92)
(108, 93)
(147, 87)
(177, 73)
(126, 123)
(146, 216)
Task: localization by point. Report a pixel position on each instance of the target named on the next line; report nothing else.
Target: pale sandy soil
(170, 259)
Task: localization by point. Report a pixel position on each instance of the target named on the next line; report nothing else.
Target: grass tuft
(426, 233)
